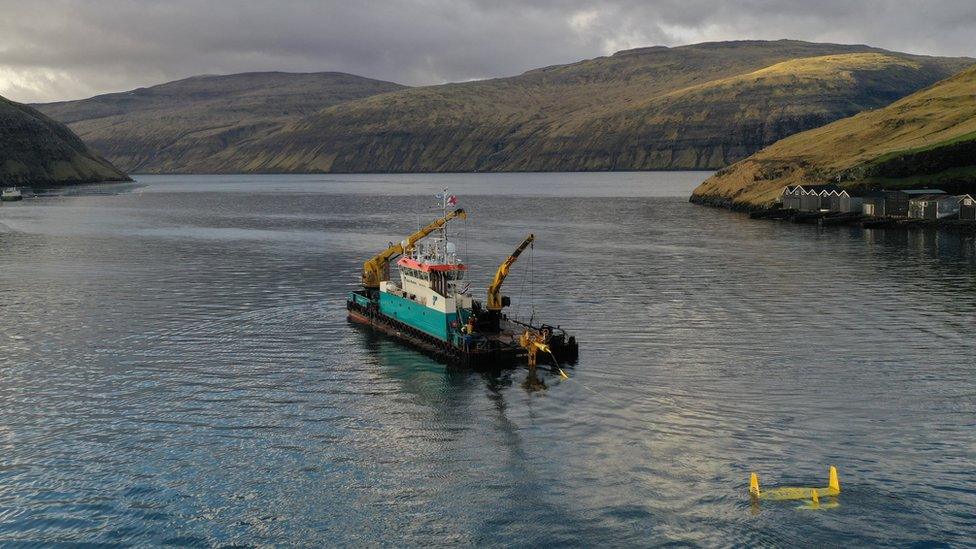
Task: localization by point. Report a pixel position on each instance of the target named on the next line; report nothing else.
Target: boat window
(415, 273)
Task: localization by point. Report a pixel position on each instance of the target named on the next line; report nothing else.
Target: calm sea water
(176, 368)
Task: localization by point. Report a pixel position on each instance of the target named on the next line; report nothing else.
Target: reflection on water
(177, 368)
(533, 382)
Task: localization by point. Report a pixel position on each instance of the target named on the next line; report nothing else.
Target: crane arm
(495, 289)
(376, 269)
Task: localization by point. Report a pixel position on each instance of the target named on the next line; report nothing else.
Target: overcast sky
(68, 49)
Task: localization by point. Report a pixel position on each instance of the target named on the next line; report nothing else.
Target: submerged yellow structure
(533, 342)
(796, 492)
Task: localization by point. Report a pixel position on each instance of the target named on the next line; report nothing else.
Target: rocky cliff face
(927, 139)
(37, 151)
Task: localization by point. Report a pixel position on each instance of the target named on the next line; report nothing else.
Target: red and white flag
(452, 200)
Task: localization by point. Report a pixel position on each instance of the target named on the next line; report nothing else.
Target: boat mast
(444, 229)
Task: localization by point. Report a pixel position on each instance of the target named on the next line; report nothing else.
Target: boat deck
(484, 351)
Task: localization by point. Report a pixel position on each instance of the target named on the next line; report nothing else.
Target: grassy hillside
(37, 151)
(176, 126)
(925, 139)
(691, 107)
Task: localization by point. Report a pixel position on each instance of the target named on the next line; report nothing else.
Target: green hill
(692, 107)
(925, 139)
(37, 151)
(177, 126)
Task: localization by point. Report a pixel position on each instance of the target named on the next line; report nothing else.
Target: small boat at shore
(430, 306)
(11, 194)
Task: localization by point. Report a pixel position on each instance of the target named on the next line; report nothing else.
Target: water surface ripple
(177, 369)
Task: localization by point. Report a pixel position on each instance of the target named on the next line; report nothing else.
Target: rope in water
(564, 375)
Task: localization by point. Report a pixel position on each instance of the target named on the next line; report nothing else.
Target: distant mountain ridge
(178, 125)
(927, 139)
(38, 151)
(702, 106)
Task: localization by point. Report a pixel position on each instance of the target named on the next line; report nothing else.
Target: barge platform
(479, 351)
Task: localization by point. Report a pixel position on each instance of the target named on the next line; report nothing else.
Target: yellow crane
(495, 299)
(377, 269)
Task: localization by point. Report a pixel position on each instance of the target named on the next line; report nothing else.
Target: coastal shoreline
(723, 203)
(834, 218)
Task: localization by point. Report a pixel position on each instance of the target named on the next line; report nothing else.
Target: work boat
(430, 307)
(427, 296)
(11, 194)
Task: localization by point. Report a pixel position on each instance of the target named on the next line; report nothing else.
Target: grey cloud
(65, 49)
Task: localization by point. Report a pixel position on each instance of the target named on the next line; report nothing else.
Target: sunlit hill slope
(702, 106)
(927, 139)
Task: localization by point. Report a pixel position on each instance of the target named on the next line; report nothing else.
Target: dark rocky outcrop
(37, 151)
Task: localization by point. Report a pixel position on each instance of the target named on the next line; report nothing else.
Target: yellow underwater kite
(797, 492)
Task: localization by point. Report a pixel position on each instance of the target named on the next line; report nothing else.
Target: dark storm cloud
(63, 49)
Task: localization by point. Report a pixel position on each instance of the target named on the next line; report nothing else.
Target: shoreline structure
(822, 219)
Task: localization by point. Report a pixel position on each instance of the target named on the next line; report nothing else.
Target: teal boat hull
(411, 313)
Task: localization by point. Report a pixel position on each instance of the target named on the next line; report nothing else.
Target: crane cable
(532, 282)
(518, 306)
